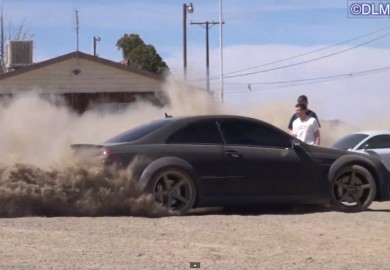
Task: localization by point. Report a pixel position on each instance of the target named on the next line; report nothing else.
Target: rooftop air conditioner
(19, 53)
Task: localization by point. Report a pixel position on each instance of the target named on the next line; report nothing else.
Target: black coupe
(220, 160)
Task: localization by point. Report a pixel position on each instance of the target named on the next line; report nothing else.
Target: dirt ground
(300, 238)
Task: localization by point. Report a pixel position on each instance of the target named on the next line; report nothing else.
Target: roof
(190, 118)
(81, 55)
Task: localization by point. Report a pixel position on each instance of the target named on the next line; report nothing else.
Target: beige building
(83, 79)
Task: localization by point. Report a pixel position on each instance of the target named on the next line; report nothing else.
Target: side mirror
(365, 147)
(296, 144)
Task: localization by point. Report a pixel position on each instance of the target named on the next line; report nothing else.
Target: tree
(141, 55)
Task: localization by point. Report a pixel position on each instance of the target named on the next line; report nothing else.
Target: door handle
(233, 154)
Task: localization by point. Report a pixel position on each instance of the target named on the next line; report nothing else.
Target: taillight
(109, 158)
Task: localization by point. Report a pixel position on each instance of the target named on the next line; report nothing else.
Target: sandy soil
(301, 238)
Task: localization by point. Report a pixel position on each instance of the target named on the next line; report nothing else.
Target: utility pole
(207, 27)
(2, 65)
(2, 60)
(77, 29)
(186, 9)
(221, 49)
(95, 40)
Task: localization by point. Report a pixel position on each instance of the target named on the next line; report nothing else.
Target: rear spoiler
(86, 149)
(85, 146)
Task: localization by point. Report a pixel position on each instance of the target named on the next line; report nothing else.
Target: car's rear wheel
(353, 189)
(175, 189)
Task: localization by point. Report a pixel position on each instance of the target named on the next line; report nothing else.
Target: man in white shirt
(305, 127)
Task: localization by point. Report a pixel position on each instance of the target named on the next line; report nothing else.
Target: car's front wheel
(353, 189)
(175, 189)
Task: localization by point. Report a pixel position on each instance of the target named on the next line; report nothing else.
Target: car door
(261, 161)
(200, 144)
(378, 146)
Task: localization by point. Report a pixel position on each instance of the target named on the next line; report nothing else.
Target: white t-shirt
(305, 129)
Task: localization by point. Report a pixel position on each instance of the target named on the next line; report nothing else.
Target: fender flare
(355, 160)
(175, 162)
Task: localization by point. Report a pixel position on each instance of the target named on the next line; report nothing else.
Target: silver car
(372, 142)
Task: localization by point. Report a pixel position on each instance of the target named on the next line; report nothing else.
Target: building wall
(83, 82)
(78, 75)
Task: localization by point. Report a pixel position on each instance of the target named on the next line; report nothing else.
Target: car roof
(191, 118)
(208, 116)
(177, 122)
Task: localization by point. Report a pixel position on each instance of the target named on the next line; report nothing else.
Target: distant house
(84, 79)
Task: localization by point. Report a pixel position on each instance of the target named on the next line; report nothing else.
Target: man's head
(303, 99)
(300, 110)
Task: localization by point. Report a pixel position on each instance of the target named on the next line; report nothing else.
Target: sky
(272, 50)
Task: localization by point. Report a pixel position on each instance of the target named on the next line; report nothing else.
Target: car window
(349, 141)
(204, 132)
(377, 142)
(138, 132)
(242, 132)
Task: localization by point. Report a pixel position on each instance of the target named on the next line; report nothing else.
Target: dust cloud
(40, 175)
(27, 190)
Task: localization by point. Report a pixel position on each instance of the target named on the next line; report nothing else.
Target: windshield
(349, 141)
(138, 132)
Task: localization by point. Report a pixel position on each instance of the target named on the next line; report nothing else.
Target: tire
(173, 188)
(353, 189)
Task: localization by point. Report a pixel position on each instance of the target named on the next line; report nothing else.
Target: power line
(317, 78)
(309, 81)
(310, 52)
(307, 61)
(300, 55)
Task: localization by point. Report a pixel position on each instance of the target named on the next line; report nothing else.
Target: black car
(219, 160)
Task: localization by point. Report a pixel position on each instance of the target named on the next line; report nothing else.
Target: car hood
(326, 155)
